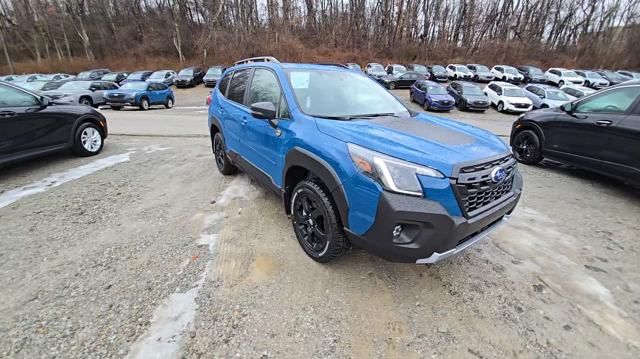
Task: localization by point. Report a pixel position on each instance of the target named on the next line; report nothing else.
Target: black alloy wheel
(220, 154)
(316, 222)
(526, 147)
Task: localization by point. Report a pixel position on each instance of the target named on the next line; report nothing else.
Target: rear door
(26, 126)
(234, 111)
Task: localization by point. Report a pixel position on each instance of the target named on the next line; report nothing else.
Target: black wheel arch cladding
(319, 168)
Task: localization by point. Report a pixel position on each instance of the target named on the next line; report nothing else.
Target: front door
(584, 136)
(27, 126)
(262, 141)
(624, 149)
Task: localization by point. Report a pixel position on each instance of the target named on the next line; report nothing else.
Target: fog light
(397, 230)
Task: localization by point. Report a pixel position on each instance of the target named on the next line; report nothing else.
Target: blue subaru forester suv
(354, 166)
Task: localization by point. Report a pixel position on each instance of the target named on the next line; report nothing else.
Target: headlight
(393, 174)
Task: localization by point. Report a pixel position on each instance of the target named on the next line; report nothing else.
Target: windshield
(34, 85)
(569, 74)
(614, 76)
(438, 69)
(510, 70)
(463, 69)
(376, 68)
(472, 91)
(21, 78)
(593, 75)
(76, 85)
(436, 90)
(535, 71)
(557, 95)
(157, 75)
(136, 76)
(215, 71)
(481, 68)
(84, 75)
(326, 93)
(110, 77)
(419, 68)
(513, 92)
(186, 72)
(134, 86)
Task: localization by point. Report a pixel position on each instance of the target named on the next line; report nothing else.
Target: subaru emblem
(498, 175)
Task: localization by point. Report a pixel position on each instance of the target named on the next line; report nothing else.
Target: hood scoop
(427, 130)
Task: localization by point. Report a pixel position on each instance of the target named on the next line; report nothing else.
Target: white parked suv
(576, 91)
(459, 72)
(561, 77)
(507, 97)
(507, 74)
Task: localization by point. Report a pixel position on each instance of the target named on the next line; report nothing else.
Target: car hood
(377, 73)
(424, 139)
(125, 91)
(538, 77)
(212, 77)
(56, 93)
(484, 73)
(476, 98)
(556, 103)
(442, 97)
(517, 99)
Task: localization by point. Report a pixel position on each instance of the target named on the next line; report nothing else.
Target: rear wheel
(411, 97)
(316, 223)
(168, 103)
(220, 153)
(88, 140)
(527, 148)
(426, 105)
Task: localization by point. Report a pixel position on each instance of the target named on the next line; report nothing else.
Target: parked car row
(187, 77)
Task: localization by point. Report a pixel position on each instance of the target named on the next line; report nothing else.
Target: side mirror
(542, 96)
(92, 89)
(44, 101)
(263, 110)
(567, 107)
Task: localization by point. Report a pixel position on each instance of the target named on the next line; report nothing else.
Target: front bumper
(511, 108)
(486, 78)
(182, 83)
(429, 233)
(436, 105)
(479, 107)
(210, 83)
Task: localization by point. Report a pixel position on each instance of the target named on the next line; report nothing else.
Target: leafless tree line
(590, 33)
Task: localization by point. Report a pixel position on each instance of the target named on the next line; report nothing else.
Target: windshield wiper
(369, 115)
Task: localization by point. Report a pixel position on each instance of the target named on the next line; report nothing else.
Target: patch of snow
(58, 179)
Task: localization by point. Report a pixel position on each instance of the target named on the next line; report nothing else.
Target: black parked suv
(598, 132)
(419, 69)
(438, 73)
(190, 76)
(532, 74)
(402, 80)
(31, 125)
(117, 77)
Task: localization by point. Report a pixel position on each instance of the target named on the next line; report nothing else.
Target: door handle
(603, 122)
(5, 114)
(244, 121)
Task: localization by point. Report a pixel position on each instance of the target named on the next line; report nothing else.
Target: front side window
(75, 85)
(10, 97)
(613, 101)
(557, 95)
(264, 88)
(510, 71)
(136, 76)
(482, 68)
(328, 93)
(569, 74)
(238, 85)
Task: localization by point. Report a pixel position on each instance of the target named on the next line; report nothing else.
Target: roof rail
(334, 64)
(257, 59)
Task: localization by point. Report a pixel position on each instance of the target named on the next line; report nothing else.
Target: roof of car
(432, 83)
(578, 87)
(503, 84)
(544, 86)
(503, 65)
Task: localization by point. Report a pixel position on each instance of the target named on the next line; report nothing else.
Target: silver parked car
(165, 76)
(89, 93)
(576, 91)
(545, 96)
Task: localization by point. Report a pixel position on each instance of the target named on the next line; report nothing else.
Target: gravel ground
(161, 254)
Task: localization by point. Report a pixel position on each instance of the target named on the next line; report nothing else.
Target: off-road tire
(220, 156)
(337, 243)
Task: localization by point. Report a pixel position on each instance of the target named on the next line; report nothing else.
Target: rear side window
(224, 83)
(238, 85)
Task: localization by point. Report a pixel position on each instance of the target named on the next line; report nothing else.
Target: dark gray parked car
(213, 75)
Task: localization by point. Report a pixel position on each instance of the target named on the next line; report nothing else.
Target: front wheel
(144, 104)
(411, 97)
(527, 148)
(561, 83)
(86, 101)
(392, 86)
(500, 106)
(316, 223)
(426, 105)
(88, 140)
(220, 153)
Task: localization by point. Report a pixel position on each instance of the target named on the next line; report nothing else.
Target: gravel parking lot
(147, 249)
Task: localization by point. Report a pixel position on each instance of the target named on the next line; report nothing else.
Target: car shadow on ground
(38, 164)
(593, 177)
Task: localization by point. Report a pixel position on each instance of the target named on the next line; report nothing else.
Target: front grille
(475, 189)
(481, 103)
(521, 105)
(445, 103)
